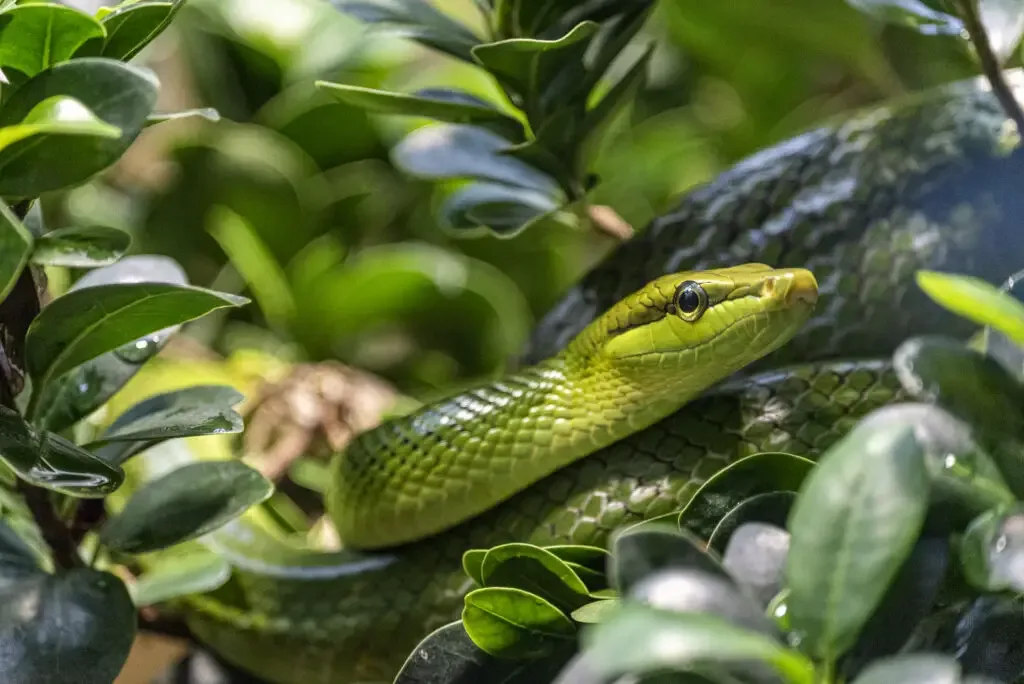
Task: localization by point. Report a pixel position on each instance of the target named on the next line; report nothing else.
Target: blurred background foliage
(291, 197)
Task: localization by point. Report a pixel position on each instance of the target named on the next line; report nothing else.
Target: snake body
(864, 203)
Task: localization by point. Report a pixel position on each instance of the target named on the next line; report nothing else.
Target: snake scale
(863, 203)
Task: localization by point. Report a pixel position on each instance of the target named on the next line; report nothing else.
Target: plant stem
(55, 533)
(968, 11)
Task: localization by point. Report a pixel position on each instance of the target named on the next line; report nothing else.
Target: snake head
(708, 323)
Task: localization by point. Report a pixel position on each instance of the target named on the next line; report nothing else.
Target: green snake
(589, 435)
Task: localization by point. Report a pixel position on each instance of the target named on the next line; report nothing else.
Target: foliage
(885, 562)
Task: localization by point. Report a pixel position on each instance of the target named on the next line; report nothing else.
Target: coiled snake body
(863, 204)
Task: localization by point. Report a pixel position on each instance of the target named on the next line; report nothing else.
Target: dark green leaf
(913, 668)
(525, 65)
(119, 94)
(640, 551)
(131, 27)
(512, 623)
(202, 496)
(600, 117)
(57, 115)
(535, 570)
(15, 555)
(81, 247)
(48, 460)
(596, 611)
(36, 36)
(593, 557)
(81, 391)
(190, 412)
(992, 551)
(976, 300)
(914, 14)
(747, 477)
(756, 558)
(82, 324)
(15, 246)
(472, 562)
(80, 622)
(458, 151)
(173, 576)
(448, 655)
(503, 210)
(454, 106)
(207, 113)
(641, 639)
(414, 19)
(772, 507)
(852, 528)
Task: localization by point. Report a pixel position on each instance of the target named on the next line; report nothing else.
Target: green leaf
(82, 324)
(448, 655)
(196, 571)
(81, 622)
(976, 300)
(203, 496)
(88, 247)
(755, 556)
(640, 551)
(757, 474)
(131, 27)
(15, 246)
(770, 507)
(596, 611)
(853, 526)
(502, 210)
(593, 557)
(208, 113)
(57, 115)
(512, 623)
(454, 106)
(526, 65)
(535, 570)
(48, 460)
(992, 551)
(912, 668)
(414, 19)
(913, 14)
(472, 564)
(458, 151)
(640, 639)
(190, 412)
(119, 94)
(15, 555)
(600, 117)
(79, 392)
(34, 37)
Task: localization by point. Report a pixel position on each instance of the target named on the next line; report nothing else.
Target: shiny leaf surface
(88, 247)
(512, 623)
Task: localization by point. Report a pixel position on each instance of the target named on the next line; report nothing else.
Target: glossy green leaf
(853, 526)
(185, 504)
(81, 621)
(15, 555)
(88, 247)
(448, 655)
(912, 668)
(82, 324)
(458, 151)
(34, 37)
(193, 572)
(527, 64)
(770, 507)
(118, 94)
(976, 300)
(755, 557)
(48, 460)
(992, 551)
(133, 26)
(57, 115)
(15, 247)
(79, 392)
(512, 623)
(502, 210)
(641, 639)
(472, 564)
(599, 118)
(757, 474)
(596, 611)
(190, 412)
(453, 106)
(534, 570)
(414, 19)
(593, 557)
(207, 113)
(643, 550)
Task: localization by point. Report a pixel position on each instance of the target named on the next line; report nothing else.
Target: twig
(56, 534)
(608, 221)
(968, 11)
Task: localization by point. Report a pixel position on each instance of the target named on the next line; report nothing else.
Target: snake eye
(691, 301)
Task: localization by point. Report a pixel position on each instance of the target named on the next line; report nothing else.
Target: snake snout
(798, 286)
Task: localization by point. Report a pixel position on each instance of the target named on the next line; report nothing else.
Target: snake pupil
(690, 300)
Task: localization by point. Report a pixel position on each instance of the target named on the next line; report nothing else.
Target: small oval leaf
(756, 558)
(992, 551)
(641, 551)
(36, 36)
(185, 504)
(472, 562)
(596, 611)
(88, 247)
(976, 300)
(174, 576)
(15, 247)
(512, 623)
(58, 115)
(535, 570)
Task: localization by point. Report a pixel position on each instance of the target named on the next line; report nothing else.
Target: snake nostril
(768, 287)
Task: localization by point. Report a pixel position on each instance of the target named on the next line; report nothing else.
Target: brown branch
(968, 11)
(55, 533)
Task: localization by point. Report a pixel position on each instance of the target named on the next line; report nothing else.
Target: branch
(968, 11)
